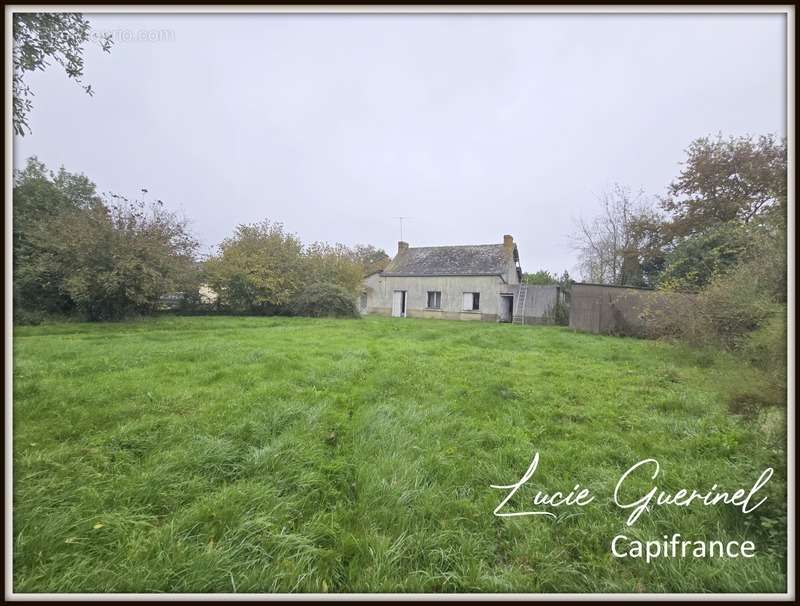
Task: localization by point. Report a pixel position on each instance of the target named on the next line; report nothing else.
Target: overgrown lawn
(288, 454)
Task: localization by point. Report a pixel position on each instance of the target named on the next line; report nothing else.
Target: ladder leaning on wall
(519, 307)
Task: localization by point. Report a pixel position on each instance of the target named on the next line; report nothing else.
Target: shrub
(751, 296)
(765, 348)
(262, 268)
(674, 316)
(742, 311)
(324, 299)
(118, 261)
(561, 313)
(24, 317)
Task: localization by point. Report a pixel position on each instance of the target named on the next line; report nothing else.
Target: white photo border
(787, 10)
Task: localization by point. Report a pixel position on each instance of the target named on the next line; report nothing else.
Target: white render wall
(380, 291)
(540, 303)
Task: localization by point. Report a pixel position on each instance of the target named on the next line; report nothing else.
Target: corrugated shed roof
(475, 260)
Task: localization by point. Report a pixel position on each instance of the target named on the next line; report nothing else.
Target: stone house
(473, 282)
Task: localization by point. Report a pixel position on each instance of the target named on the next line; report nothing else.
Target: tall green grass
(291, 454)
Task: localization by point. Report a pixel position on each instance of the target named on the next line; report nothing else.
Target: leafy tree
(262, 268)
(39, 196)
(644, 260)
(117, 259)
(726, 239)
(544, 277)
(539, 277)
(259, 269)
(39, 193)
(734, 180)
(73, 250)
(565, 281)
(727, 189)
(372, 259)
(39, 39)
(694, 262)
(335, 264)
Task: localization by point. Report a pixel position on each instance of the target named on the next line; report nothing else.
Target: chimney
(401, 246)
(508, 241)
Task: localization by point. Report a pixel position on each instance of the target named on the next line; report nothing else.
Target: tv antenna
(401, 226)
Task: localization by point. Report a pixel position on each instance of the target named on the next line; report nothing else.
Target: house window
(434, 299)
(472, 301)
(363, 301)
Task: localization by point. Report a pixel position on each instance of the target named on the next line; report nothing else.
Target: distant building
(208, 296)
(473, 282)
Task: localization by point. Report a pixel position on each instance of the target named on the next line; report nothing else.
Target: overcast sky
(473, 126)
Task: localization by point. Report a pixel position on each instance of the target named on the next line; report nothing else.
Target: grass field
(288, 454)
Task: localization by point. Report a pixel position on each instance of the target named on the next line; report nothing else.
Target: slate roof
(475, 260)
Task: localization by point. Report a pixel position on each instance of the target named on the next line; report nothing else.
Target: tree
(540, 277)
(40, 196)
(727, 191)
(619, 245)
(262, 268)
(333, 264)
(259, 269)
(645, 257)
(116, 259)
(75, 251)
(734, 180)
(726, 240)
(372, 259)
(40, 38)
(693, 262)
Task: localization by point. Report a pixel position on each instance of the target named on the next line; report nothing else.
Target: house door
(399, 304)
(506, 308)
